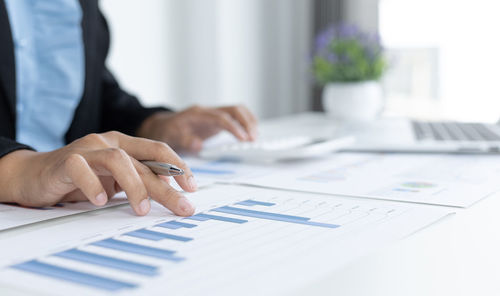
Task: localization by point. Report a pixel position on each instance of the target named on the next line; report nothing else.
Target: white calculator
(292, 147)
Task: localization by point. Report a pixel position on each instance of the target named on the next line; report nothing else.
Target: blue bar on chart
(156, 236)
(198, 217)
(208, 171)
(109, 262)
(276, 215)
(272, 216)
(176, 225)
(127, 247)
(214, 217)
(69, 275)
(251, 202)
(169, 225)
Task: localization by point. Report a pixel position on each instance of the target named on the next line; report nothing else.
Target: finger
(145, 149)
(245, 119)
(84, 178)
(253, 121)
(245, 110)
(191, 143)
(252, 116)
(117, 163)
(161, 191)
(223, 120)
(108, 184)
(165, 179)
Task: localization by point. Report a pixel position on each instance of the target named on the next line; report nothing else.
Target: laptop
(403, 135)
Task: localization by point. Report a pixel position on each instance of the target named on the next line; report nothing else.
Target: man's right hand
(95, 167)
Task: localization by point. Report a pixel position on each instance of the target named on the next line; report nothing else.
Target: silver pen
(163, 169)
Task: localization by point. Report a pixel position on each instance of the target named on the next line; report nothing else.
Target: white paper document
(449, 180)
(242, 241)
(12, 215)
(226, 170)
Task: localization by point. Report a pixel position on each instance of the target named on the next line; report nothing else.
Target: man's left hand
(185, 131)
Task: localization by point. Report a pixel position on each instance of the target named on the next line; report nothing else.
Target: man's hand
(185, 131)
(95, 167)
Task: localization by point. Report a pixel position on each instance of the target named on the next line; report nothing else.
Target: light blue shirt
(50, 68)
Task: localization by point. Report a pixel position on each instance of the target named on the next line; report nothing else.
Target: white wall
(464, 36)
(139, 49)
(363, 13)
(213, 52)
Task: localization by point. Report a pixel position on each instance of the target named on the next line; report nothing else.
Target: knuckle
(73, 160)
(112, 134)
(116, 154)
(94, 138)
(160, 146)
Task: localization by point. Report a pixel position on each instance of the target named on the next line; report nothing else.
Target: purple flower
(346, 31)
(324, 39)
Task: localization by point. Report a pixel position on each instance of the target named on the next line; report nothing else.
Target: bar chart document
(13, 215)
(241, 241)
(450, 180)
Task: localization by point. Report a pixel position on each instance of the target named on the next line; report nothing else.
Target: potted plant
(348, 63)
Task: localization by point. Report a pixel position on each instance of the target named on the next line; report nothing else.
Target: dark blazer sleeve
(7, 146)
(120, 110)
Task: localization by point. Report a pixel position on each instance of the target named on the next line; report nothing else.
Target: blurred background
(443, 55)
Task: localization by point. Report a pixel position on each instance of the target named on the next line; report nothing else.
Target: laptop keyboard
(455, 131)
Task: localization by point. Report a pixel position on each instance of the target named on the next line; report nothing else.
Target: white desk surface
(458, 256)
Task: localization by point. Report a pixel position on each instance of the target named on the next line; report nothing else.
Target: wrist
(13, 168)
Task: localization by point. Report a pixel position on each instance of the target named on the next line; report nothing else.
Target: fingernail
(185, 206)
(192, 183)
(144, 206)
(101, 198)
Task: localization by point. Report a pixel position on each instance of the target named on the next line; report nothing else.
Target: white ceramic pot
(353, 101)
